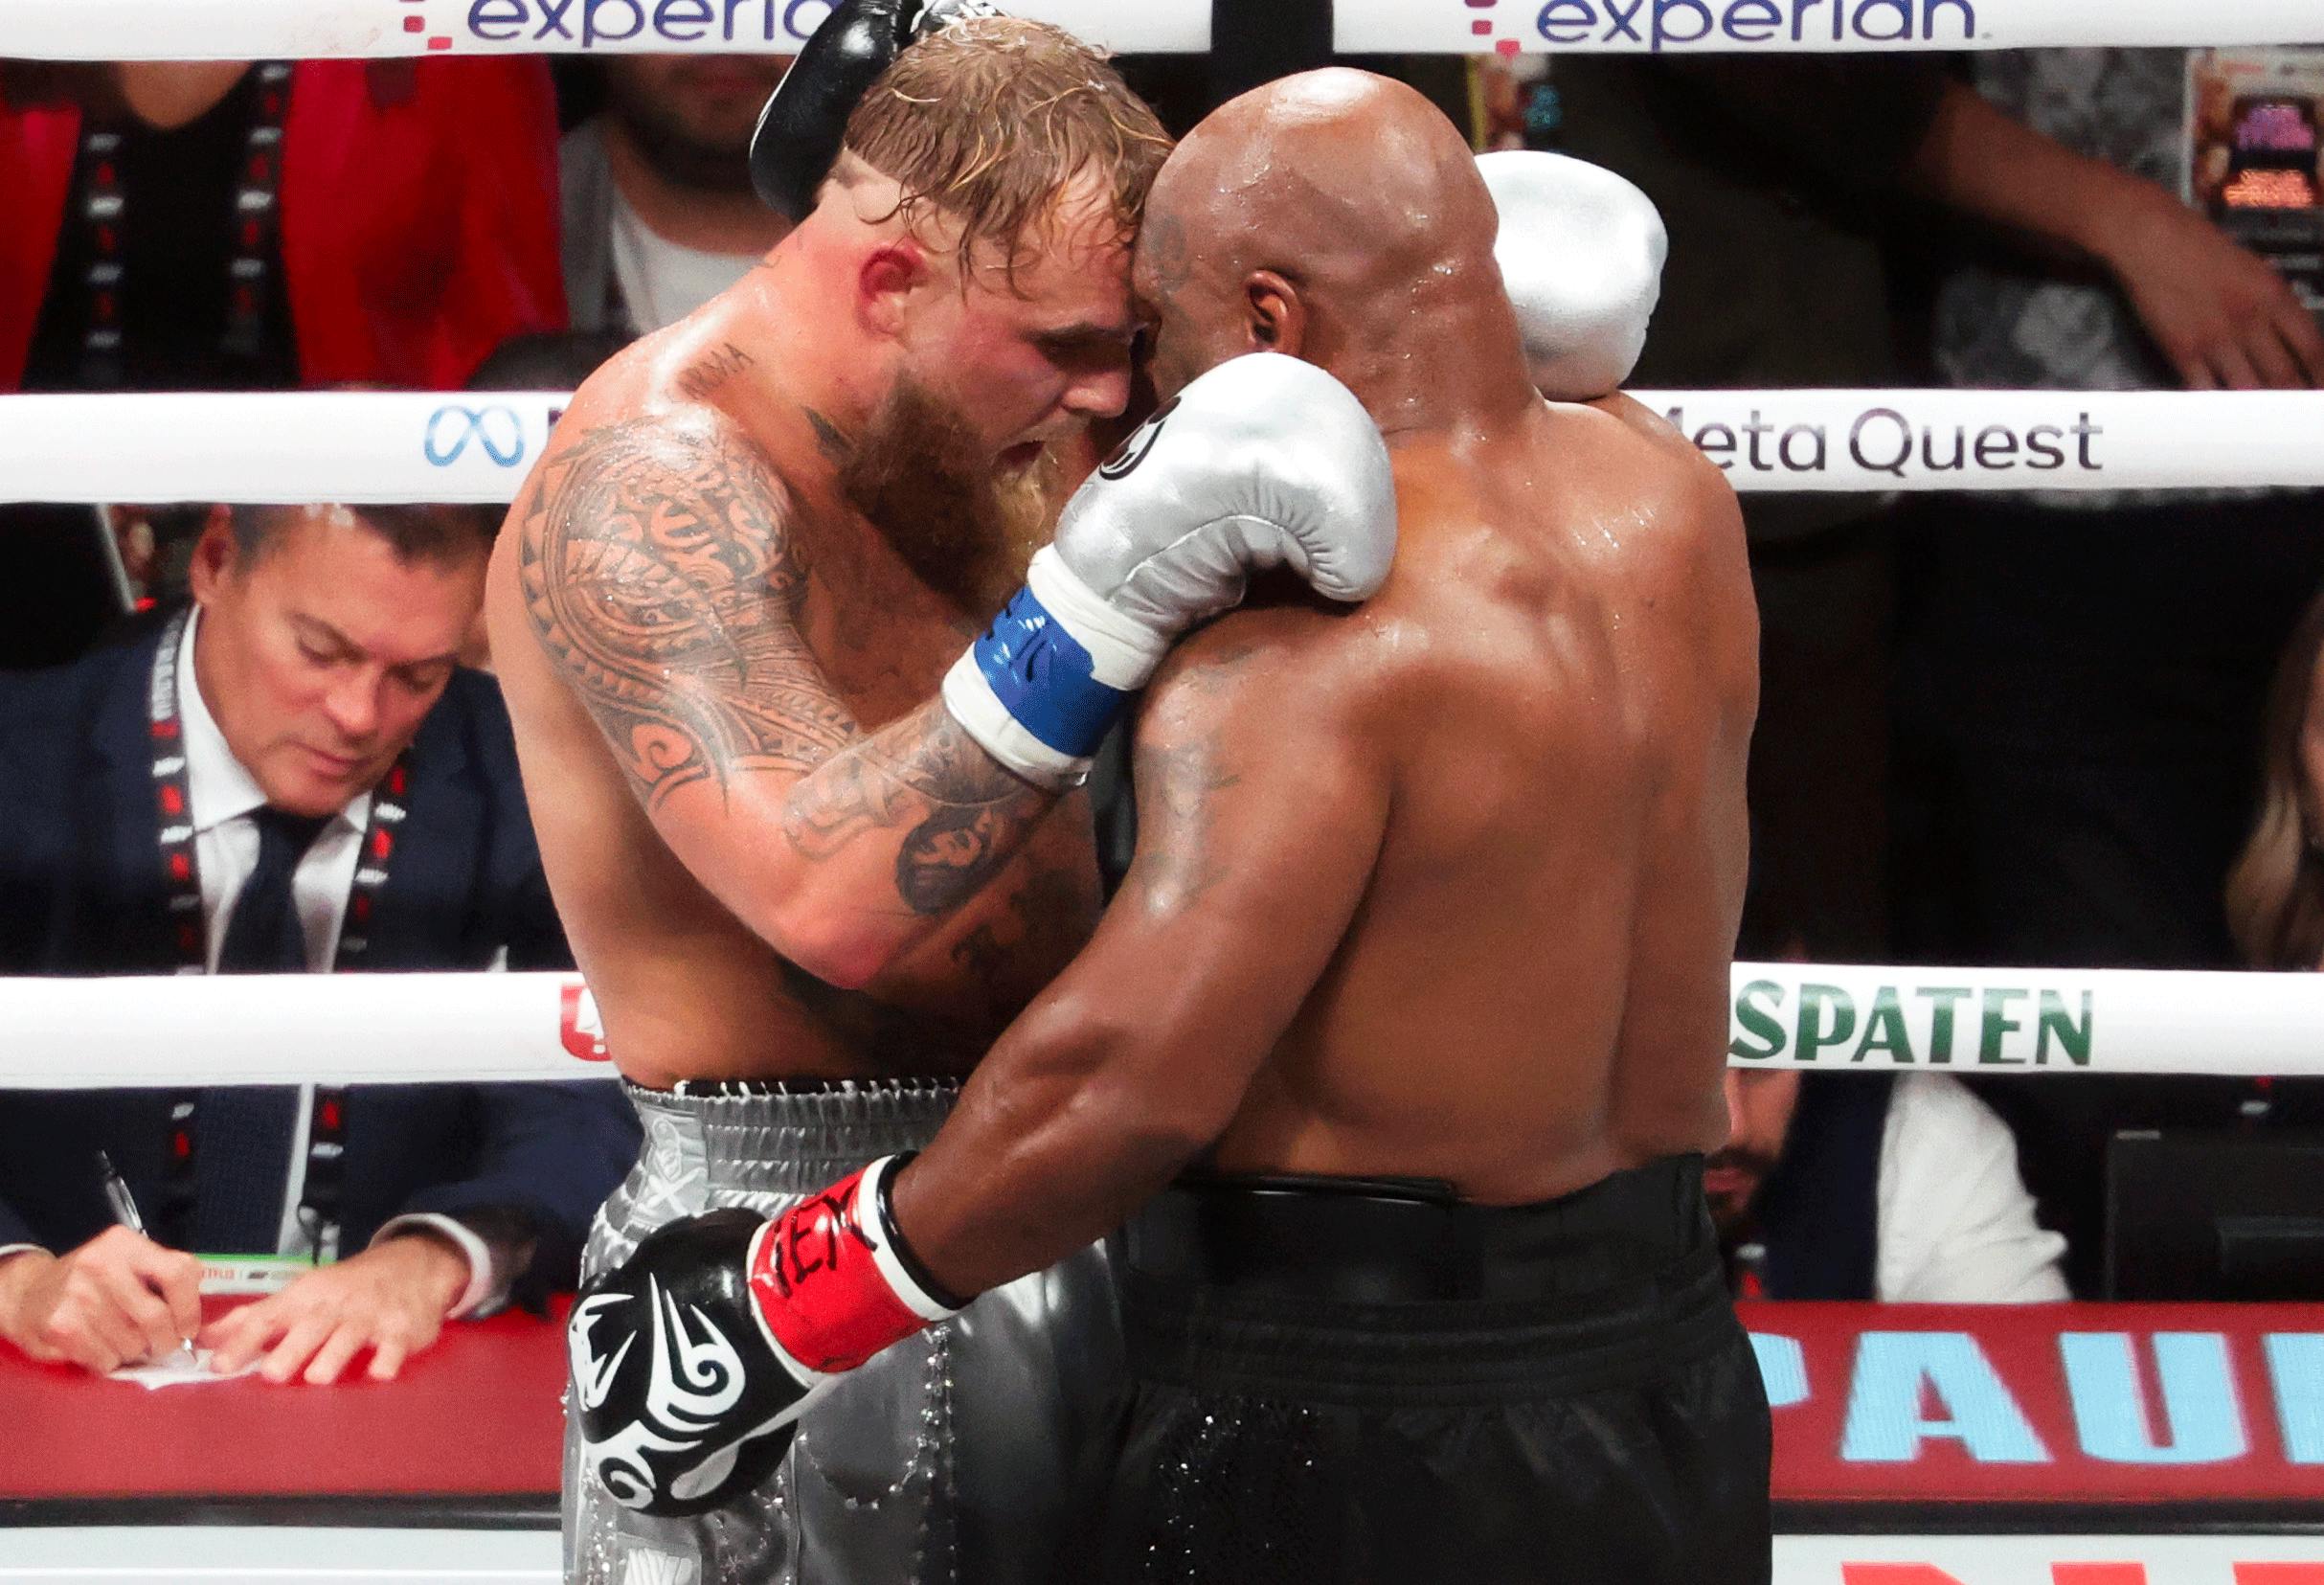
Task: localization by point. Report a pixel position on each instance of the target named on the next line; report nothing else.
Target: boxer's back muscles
(693, 650)
(1525, 867)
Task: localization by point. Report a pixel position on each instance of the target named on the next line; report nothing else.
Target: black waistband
(1367, 1242)
(1387, 1295)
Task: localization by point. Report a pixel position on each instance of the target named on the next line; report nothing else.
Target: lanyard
(182, 887)
(257, 227)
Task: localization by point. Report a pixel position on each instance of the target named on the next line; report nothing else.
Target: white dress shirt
(1956, 1224)
(224, 799)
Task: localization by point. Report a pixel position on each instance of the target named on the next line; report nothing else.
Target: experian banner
(1772, 27)
(199, 29)
(236, 30)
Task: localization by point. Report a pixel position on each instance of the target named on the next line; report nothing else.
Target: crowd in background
(2049, 730)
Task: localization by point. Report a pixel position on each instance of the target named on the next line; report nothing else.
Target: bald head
(1336, 207)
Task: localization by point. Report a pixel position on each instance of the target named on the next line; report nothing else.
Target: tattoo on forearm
(708, 375)
(1052, 909)
(657, 573)
(962, 816)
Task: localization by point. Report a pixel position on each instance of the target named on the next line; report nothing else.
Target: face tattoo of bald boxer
(806, 883)
(1418, 984)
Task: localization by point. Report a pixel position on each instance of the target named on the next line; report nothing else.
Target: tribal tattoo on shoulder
(657, 573)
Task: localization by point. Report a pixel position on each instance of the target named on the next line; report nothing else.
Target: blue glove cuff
(1042, 675)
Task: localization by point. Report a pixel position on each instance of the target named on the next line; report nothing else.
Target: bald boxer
(1401, 1047)
(805, 808)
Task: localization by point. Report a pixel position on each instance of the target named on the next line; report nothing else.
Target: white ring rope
(404, 1028)
(238, 29)
(358, 447)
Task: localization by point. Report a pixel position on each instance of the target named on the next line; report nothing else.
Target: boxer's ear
(886, 281)
(1274, 319)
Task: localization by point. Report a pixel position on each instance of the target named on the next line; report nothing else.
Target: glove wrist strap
(1052, 675)
(831, 1280)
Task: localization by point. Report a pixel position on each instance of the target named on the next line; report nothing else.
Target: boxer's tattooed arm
(962, 816)
(656, 574)
(1050, 913)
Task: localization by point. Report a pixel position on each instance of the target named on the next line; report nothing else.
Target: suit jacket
(419, 216)
(81, 891)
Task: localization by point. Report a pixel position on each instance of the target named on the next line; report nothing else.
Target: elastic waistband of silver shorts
(793, 1138)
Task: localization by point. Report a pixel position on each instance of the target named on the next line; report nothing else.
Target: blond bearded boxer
(808, 831)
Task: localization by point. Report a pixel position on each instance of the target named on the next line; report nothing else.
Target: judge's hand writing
(119, 1299)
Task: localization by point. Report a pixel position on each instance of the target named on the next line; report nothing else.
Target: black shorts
(1349, 1382)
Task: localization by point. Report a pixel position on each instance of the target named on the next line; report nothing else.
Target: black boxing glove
(693, 1359)
(801, 130)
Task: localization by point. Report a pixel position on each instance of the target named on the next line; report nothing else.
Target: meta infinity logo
(497, 430)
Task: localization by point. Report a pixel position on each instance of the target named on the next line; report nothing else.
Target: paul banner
(2119, 1405)
(2054, 1444)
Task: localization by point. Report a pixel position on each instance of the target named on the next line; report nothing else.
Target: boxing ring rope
(363, 446)
(211, 29)
(445, 1029)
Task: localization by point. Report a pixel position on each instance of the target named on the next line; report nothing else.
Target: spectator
(292, 776)
(659, 213)
(2084, 670)
(334, 222)
(2276, 892)
(206, 226)
(1772, 177)
(1902, 1188)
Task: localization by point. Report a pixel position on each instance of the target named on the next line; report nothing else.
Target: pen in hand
(124, 1206)
(118, 1197)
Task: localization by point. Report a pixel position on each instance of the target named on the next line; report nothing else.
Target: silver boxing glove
(1581, 252)
(1264, 461)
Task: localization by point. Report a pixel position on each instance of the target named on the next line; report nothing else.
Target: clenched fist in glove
(693, 1359)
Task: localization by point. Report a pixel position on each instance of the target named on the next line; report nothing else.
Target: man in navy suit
(294, 776)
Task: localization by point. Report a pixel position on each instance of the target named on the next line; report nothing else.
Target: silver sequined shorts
(963, 1455)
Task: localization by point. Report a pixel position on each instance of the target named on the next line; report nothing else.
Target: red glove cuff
(831, 1280)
